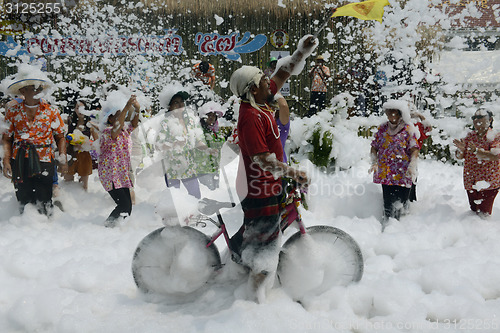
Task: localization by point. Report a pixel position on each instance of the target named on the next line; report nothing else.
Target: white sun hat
(211, 106)
(169, 91)
(28, 75)
(400, 105)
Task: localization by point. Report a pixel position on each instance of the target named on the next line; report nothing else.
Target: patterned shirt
(179, 140)
(45, 125)
(477, 171)
(319, 78)
(114, 159)
(209, 163)
(207, 78)
(393, 155)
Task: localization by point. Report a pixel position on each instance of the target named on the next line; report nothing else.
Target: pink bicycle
(180, 261)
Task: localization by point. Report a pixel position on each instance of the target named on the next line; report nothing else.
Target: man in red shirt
(256, 243)
(33, 127)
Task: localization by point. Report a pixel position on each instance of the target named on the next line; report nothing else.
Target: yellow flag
(366, 10)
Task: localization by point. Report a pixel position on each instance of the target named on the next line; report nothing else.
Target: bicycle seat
(209, 206)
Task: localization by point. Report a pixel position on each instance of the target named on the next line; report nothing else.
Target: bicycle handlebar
(209, 206)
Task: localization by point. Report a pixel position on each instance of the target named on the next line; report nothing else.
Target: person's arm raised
(284, 110)
(135, 120)
(293, 65)
(120, 120)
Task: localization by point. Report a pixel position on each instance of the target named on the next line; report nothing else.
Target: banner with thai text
(169, 44)
(229, 46)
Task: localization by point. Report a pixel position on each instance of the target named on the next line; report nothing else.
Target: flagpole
(325, 23)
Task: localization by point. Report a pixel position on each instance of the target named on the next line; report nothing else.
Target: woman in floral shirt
(481, 150)
(114, 157)
(394, 156)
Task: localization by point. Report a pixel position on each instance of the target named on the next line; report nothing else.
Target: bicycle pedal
(218, 267)
(236, 258)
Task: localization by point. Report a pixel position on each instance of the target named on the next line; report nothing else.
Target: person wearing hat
(394, 154)
(271, 67)
(262, 155)
(179, 139)
(481, 151)
(114, 156)
(319, 75)
(205, 72)
(33, 127)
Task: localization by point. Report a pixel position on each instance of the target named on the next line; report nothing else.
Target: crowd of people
(190, 144)
(40, 143)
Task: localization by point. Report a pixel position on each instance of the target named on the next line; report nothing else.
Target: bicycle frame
(289, 214)
(346, 266)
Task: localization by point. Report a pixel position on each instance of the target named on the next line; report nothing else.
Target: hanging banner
(169, 44)
(228, 46)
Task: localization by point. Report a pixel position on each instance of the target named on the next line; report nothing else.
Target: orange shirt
(47, 123)
(207, 78)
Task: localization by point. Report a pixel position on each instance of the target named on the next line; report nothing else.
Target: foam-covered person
(179, 136)
(394, 155)
(209, 114)
(256, 244)
(114, 155)
(480, 150)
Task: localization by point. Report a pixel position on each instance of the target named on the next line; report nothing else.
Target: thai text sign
(169, 44)
(229, 46)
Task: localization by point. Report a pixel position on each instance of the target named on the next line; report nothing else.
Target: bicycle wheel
(174, 261)
(325, 257)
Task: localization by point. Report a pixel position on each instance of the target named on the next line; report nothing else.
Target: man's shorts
(260, 246)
